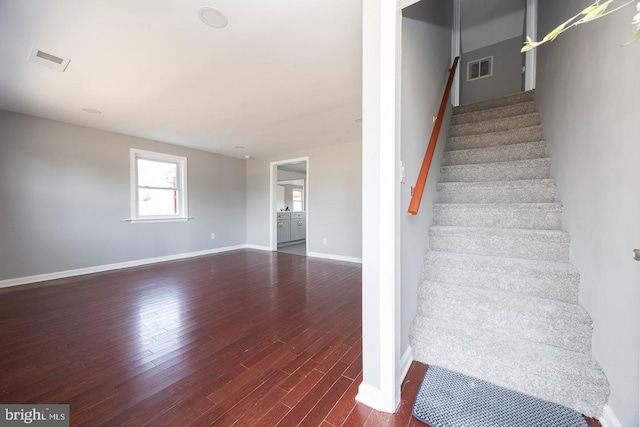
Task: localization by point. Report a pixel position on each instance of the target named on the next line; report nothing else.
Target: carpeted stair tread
(511, 99)
(499, 300)
(503, 153)
(508, 242)
(494, 113)
(546, 279)
(565, 377)
(546, 216)
(495, 125)
(534, 319)
(498, 171)
(494, 139)
(516, 191)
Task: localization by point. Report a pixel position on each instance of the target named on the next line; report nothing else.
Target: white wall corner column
(380, 388)
(530, 56)
(455, 52)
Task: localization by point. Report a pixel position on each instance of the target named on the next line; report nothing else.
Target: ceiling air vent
(48, 60)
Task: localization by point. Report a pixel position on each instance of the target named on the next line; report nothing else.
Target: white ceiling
(283, 75)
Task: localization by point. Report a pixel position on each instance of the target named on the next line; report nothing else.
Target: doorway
(289, 206)
(491, 36)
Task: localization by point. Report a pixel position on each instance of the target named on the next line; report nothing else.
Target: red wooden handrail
(416, 195)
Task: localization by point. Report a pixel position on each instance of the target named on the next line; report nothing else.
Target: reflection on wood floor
(297, 249)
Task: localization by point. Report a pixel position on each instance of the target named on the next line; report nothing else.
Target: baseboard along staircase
(499, 299)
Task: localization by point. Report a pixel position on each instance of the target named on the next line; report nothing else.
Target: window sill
(154, 220)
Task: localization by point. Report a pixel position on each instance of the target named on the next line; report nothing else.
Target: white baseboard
(372, 397)
(334, 257)
(369, 395)
(314, 254)
(138, 262)
(609, 419)
(107, 267)
(258, 247)
(405, 364)
(407, 3)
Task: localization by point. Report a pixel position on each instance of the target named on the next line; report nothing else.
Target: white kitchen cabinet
(292, 226)
(298, 225)
(284, 227)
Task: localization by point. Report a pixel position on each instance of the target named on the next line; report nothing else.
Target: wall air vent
(36, 56)
(480, 68)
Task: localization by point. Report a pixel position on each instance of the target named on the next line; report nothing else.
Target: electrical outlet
(324, 241)
(213, 236)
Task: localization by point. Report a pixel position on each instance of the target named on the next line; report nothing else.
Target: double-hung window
(158, 186)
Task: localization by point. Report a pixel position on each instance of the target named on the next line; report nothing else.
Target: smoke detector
(212, 17)
(37, 56)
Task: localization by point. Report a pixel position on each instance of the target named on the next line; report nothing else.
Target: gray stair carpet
(499, 301)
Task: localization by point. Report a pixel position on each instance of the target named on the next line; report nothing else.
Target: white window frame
(479, 61)
(301, 190)
(181, 176)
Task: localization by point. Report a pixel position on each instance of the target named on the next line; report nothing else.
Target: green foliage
(553, 34)
(591, 13)
(634, 39)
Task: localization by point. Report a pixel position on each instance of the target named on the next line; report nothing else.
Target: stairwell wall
(426, 50)
(506, 75)
(587, 94)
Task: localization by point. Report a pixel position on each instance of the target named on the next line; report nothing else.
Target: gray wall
(588, 94)
(488, 22)
(288, 194)
(334, 206)
(507, 72)
(426, 58)
(65, 193)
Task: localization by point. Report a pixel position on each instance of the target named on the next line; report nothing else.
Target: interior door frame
(273, 200)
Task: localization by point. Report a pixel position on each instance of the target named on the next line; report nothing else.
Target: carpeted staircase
(499, 300)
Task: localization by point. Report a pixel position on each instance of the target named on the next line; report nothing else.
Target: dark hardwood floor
(241, 338)
(244, 338)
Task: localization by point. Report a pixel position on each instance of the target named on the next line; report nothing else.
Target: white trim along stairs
(499, 299)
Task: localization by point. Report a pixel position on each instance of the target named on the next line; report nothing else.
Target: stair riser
(507, 171)
(495, 103)
(585, 392)
(498, 125)
(500, 195)
(549, 219)
(494, 113)
(507, 245)
(500, 301)
(533, 150)
(543, 284)
(514, 136)
(543, 321)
